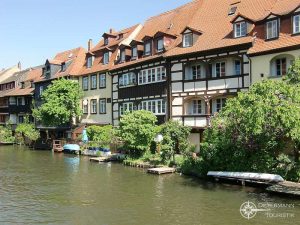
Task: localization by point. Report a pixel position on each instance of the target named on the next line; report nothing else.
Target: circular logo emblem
(248, 210)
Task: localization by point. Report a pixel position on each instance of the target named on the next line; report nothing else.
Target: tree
(293, 75)
(100, 134)
(61, 103)
(137, 131)
(27, 131)
(175, 139)
(255, 129)
(6, 135)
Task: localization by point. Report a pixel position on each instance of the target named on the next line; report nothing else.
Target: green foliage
(6, 135)
(253, 130)
(26, 130)
(102, 135)
(61, 103)
(293, 75)
(137, 131)
(175, 139)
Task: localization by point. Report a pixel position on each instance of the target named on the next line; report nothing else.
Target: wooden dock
(100, 159)
(286, 188)
(161, 170)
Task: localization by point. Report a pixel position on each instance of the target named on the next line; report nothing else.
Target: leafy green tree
(26, 131)
(175, 139)
(254, 129)
(100, 134)
(293, 75)
(61, 103)
(6, 135)
(137, 131)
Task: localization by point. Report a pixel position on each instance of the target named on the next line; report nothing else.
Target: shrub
(6, 134)
(101, 135)
(26, 131)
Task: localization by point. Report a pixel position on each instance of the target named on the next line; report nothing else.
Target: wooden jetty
(161, 170)
(285, 188)
(100, 159)
(57, 146)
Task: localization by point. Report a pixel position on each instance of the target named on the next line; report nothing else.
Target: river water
(38, 187)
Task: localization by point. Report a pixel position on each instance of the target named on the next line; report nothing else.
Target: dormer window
(106, 58)
(106, 41)
(296, 24)
(63, 67)
(134, 53)
(187, 40)
(147, 48)
(90, 61)
(160, 45)
(122, 55)
(47, 72)
(22, 85)
(272, 29)
(240, 29)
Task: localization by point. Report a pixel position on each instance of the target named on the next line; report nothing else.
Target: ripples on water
(45, 188)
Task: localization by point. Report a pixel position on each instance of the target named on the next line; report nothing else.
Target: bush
(26, 131)
(137, 131)
(6, 135)
(101, 135)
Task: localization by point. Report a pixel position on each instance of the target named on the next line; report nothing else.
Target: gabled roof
(192, 29)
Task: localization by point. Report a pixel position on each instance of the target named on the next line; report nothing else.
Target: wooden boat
(259, 177)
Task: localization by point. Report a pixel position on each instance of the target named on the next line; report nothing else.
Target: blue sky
(33, 30)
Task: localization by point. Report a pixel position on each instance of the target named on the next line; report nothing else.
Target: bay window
(157, 107)
(296, 24)
(272, 29)
(152, 75)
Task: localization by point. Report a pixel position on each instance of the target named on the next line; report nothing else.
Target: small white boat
(246, 176)
(71, 148)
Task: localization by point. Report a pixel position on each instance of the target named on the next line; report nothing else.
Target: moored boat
(71, 148)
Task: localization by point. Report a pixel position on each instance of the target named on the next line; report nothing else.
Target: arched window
(279, 65)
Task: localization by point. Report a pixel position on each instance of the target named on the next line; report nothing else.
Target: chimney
(19, 65)
(90, 44)
(111, 30)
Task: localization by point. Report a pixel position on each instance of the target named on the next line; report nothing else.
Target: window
(220, 104)
(237, 67)
(296, 24)
(93, 82)
(22, 85)
(187, 40)
(134, 54)
(106, 58)
(147, 48)
(63, 67)
(153, 75)
(102, 80)
(122, 56)
(220, 69)
(47, 72)
(21, 119)
(240, 29)
(41, 90)
(281, 67)
(90, 61)
(196, 71)
(127, 79)
(106, 41)
(102, 106)
(272, 29)
(20, 101)
(126, 107)
(93, 106)
(86, 107)
(160, 45)
(158, 107)
(197, 107)
(12, 101)
(32, 84)
(85, 83)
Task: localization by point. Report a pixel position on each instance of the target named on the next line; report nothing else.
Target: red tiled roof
(20, 92)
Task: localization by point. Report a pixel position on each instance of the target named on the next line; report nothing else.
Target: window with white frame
(90, 61)
(281, 67)
(134, 53)
(158, 107)
(93, 106)
(197, 107)
(127, 79)
(220, 69)
(106, 58)
(152, 75)
(102, 106)
(240, 29)
(237, 67)
(147, 48)
(122, 55)
(220, 103)
(187, 40)
(296, 24)
(196, 72)
(85, 107)
(102, 80)
(160, 45)
(94, 81)
(85, 83)
(126, 107)
(272, 29)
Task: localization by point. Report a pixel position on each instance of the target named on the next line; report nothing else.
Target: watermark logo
(249, 210)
